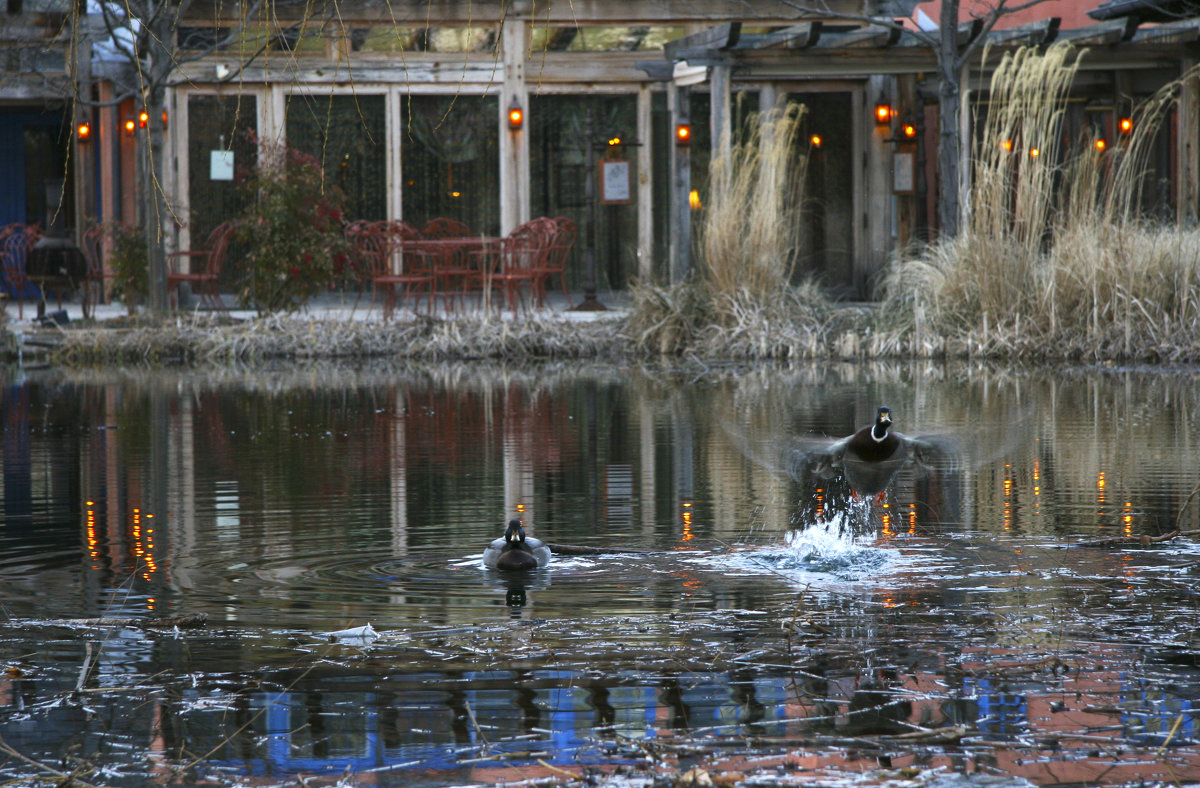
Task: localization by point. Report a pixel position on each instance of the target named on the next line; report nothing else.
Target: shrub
(130, 264)
(292, 232)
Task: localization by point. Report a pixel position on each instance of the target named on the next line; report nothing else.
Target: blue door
(33, 149)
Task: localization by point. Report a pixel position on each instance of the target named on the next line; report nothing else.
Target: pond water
(1002, 609)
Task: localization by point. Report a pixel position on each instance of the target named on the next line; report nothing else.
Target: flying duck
(871, 456)
(515, 551)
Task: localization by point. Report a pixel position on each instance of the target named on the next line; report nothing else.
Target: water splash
(832, 550)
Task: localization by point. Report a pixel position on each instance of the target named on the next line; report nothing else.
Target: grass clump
(740, 301)
(1057, 260)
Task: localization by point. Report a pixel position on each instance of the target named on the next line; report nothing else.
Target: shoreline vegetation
(1057, 261)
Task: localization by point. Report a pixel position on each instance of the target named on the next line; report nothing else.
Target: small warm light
(456, 194)
(1100, 144)
(143, 119)
(694, 200)
(83, 132)
(1007, 145)
(164, 120)
(1034, 153)
(615, 141)
(815, 140)
(516, 116)
(130, 126)
(883, 114)
(909, 130)
(1125, 125)
(683, 134)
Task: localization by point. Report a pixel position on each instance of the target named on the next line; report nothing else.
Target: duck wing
(806, 458)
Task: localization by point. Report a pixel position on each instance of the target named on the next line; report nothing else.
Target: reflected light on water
(295, 510)
(685, 516)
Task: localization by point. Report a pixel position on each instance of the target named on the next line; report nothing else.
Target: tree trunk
(950, 142)
(156, 222)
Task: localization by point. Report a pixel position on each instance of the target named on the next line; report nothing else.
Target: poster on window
(220, 165)
(615, 188)
(903, 173)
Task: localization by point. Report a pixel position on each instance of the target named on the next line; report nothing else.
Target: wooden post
(681, 184)
(645, 188)
(719, 114)
(1187, 138)
(514, 143)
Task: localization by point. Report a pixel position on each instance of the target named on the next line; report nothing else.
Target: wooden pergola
(1121, 56)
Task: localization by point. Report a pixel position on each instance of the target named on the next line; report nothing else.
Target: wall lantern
(1125, 125)
(909, 131)
(130, 126)
(83, 132)
(883, 114)
(614, 141)
(516, 115)
(683, 134)
(143, 119)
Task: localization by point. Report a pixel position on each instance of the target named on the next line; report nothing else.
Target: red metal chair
(15, 242)
(561, 236)
(205, 282)
(442, 227)
(393, 265)
(95, 238)
(516, 261)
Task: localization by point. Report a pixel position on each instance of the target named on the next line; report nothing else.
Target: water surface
(1004, 610)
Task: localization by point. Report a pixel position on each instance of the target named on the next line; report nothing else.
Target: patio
(332, 306)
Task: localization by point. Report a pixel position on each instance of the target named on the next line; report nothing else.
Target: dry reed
(741, 303)
(281, 337)
(1057, 261)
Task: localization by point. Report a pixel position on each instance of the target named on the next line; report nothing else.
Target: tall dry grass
(741, 302)
(1056, 260)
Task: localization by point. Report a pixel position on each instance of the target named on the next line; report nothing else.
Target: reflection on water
(738, 599)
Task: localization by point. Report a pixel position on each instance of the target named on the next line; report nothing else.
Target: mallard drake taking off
(515, 550)
(872, 455)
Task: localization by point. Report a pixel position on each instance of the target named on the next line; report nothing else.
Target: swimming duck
(515, 551)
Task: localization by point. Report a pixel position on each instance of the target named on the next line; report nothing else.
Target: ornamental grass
(1058, 260)
(741, 301)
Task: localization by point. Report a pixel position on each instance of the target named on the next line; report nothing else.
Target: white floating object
(365, 634)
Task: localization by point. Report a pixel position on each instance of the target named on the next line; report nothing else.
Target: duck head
(883, 423)
(514, 534)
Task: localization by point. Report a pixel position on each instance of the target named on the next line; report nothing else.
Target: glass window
(347, 134)
(560, 127)
(218, 123)
(450, 159)
(827, 223)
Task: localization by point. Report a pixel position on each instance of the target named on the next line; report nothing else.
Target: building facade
(407, 105)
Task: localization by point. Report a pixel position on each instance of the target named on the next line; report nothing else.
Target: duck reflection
(516, 585)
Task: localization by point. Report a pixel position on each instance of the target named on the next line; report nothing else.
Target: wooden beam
(869, 36)
(799, 36)
(1039, 33)
(969, 31)
(541, 12)
(1105, 33)
(1183, 32)
(715, 38)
